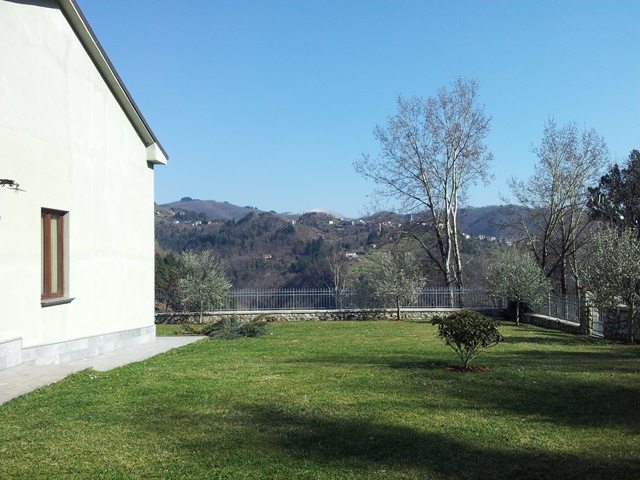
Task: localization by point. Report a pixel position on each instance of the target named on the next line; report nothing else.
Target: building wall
(67, 142)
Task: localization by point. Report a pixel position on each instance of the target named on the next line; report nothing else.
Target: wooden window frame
(47, 215)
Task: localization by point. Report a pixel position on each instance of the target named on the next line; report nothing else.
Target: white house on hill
(76, 236)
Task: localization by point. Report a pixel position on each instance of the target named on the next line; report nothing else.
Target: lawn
(339, 400)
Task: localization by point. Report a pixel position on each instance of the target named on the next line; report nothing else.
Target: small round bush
(468, 333)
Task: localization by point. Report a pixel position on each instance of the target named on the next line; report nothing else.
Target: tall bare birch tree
(555, 221)
(431, 151)
(336, 272)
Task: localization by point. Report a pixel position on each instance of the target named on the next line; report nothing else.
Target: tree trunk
(630, 323)
(456, 250)
(398, 308)
(457, 260)
(563, 276)
(448, 274)
(518, 313)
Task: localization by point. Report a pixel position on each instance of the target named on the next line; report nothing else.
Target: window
(53, 253)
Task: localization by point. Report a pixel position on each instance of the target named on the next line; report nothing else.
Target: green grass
(339, 400)
(177, 329)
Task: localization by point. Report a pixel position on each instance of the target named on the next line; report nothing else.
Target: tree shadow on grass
(590, 361)
(363, 447)
(573, 388)
(567, 388)
(430, 364)
(553, 338)
(563, 402)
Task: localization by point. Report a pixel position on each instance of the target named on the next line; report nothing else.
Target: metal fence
(328, 299)
(564, 307)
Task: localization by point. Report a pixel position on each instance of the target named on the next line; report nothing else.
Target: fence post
(584, 312)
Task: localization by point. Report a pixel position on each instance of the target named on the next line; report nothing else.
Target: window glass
(52, 253)
(42, 255)
(53, 242)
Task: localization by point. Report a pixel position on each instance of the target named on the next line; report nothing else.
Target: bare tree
(555, 221)
(337, 272)
(431, 150)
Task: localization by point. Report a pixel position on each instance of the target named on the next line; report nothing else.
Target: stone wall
(615, 325)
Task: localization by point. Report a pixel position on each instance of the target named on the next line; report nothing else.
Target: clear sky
(268, 103)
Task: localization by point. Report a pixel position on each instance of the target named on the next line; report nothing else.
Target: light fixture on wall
(5, 182)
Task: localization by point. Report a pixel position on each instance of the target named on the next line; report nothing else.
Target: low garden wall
(316, 315)
(550, 322)
(609, 325)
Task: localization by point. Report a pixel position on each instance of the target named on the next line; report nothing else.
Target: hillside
(269, 250)
(490, 221)
(263, 249)
(212, 209)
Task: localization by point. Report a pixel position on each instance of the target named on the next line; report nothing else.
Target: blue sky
(268, 103)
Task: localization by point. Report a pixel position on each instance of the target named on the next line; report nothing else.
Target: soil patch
(461, 369)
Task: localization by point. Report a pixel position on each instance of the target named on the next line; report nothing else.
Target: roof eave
(155, 152)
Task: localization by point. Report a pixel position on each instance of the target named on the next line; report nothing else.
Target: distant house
(351, 254)
(77, 239)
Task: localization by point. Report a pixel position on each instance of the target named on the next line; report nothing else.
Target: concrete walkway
(22, 379)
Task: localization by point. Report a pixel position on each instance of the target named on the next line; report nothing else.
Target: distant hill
(263, 249)
(491, 221)
(270, 250)
(212, 209)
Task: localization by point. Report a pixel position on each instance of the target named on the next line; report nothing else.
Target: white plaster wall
(68, 143)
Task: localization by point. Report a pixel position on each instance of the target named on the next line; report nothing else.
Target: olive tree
(203, 283)
(517, 277)
(395, 277)
(431, 151)
(613, 272)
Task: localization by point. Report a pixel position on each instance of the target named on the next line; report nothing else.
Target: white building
(77, 241)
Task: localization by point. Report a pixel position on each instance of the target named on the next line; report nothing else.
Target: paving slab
(25, 378)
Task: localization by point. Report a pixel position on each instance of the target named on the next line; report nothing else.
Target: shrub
(468, 333)
(231, 327)
(194, 329)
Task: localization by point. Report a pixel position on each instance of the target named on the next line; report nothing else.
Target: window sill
(50, 302)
